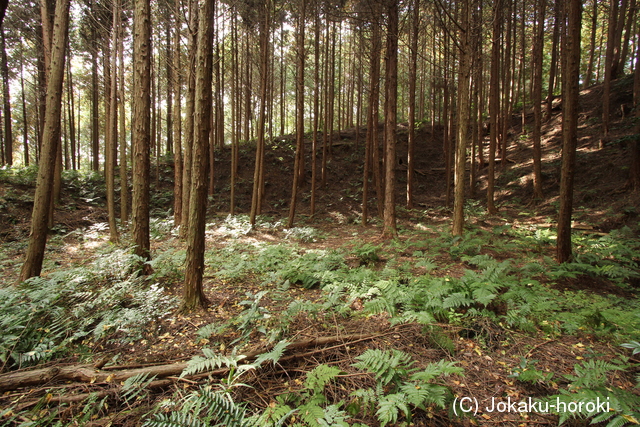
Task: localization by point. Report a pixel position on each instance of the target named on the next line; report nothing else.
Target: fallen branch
(89, 374)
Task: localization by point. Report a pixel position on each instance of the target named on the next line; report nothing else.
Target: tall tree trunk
(571, 83)
(297, 172)
(95, 123)
(463, 113)
(25, 122)
(188, 125)
(554, 56)
(634, 166)
(124, 181)
(258, 176)
(235, 110)
(617, 39)
(50, 142)
(413, 64)
(371, 164)
(8, 132)
(627, 36)
(608, 66)
(391, 111)
(316, 109)
(177, 119)
(112, 130)
(71, 117)
(592, 48)
(537, 100)
(169, 80)
(141, 129)
(193, 296)
(494, 93)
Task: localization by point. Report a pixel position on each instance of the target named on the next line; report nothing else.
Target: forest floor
(330, 290)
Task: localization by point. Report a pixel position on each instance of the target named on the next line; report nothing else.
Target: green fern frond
(310, 413)
(174, 419)
(275, 415)
(134, 386)
(274, 355)
(320, 377)
(221, 409)
(456, 300)
(390, 406)
(434, 370)
(209, 362)
(333, 417)
(387, 366)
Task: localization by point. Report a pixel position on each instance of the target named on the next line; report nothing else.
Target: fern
(134, 386)
(390, 406)
(221, 409)
(175, 419)
(320, 377)
(274, 355)
(591, 373)
(210, 362)
(275, 415)
(310, 413)
(387, 366)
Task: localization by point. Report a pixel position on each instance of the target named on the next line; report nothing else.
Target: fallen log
(90, 374)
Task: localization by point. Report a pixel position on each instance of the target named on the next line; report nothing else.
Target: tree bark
(124, 181)
(188, 125)
(258, 176)
(193, 296)
(536, 98)
(413, 65)
(178, 160)
(8, 132)
(463, 114)
(297, 171)
(50, 142)
(141, 130)
(571, 82)
(554, 56)
(592, 48)
(391, 111)
(608, 66)
(112, 130)
(494, 93)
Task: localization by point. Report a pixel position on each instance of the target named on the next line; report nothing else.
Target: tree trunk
(571, 81)
(608, 66)
(95, 132)
(297, 172)
(178, 161)
(494, 93)
(316, 110)
(235, 109)
(112, 130)
(627, 35)
(188, 126)
(25, 124)
(536, 98)
(592, 48)
(554, 56)
(463, 113)
(258, 176)
(391, 110)
(371, 148)
(8, 132)
(141, 129)
(193, 296)
(413, 63)
(124, 181)
(50, 143)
